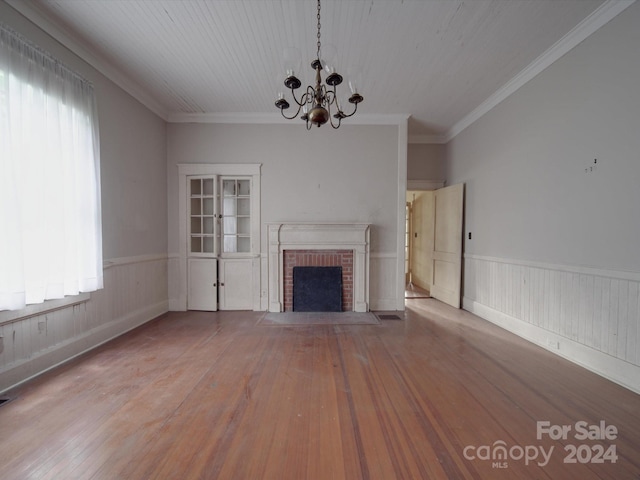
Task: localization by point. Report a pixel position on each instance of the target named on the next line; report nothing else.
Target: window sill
(10, 316)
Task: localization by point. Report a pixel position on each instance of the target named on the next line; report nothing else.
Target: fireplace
(326, 244)
(319, 258)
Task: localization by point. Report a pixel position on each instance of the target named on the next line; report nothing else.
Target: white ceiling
(443, 62)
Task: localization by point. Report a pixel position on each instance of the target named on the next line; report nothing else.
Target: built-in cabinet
(220, 238)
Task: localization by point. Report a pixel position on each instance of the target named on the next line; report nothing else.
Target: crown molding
(31, 11)
(598, 18)
(276, 118)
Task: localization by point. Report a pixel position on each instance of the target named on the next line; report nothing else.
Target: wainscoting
(587, 315)
(135, 291)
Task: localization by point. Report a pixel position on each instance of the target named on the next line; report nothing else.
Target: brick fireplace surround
(319, 258)
(325, 244)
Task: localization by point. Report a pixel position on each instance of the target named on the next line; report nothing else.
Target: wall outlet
(42, 326)
(553, 344)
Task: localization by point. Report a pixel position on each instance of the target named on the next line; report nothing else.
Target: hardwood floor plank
(199, 395)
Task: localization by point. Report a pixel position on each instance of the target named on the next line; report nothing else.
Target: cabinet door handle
(222, 284)
(215, 284)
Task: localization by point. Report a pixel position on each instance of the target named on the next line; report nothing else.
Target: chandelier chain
(318, 29)
(318, 104)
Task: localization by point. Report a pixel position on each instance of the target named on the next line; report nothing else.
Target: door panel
(447, 251)
(202, 292)
(236, 284)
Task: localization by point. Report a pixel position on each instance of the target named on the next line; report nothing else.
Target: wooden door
(202, 292)
(236, 284)
(447, 248)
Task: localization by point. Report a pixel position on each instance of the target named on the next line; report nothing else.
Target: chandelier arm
(304, 98)
(352, 113)
(294, 116)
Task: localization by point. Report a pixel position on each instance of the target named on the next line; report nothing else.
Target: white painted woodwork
(135, 291)
(447, 244)
(319, 236)
(193, 287)
(203, 284)
(590, 316)
(236, 283)
(204, 56)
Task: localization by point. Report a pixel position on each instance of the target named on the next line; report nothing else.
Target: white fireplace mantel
(319, 236)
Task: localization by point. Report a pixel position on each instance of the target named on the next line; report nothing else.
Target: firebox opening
(317, 289)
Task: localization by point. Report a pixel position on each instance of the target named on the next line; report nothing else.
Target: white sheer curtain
(50, 223)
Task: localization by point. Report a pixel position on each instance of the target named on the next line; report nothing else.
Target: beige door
(447, 248)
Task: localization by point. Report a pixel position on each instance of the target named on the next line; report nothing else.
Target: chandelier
(318, 103)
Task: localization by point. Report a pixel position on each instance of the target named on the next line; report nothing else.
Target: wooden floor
(216, 396)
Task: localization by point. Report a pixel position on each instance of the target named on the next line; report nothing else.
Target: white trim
(276, 118)
(598, 18)
(614, 369)
(585, 270)
(403, 134)
(31, 11)
(113, 262)
(318, 236)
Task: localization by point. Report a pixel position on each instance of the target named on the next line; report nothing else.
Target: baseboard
(618, 371)
(25, 370)
(383, 305)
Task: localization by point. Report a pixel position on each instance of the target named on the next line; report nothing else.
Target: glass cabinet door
(202, 215)
(236, 215)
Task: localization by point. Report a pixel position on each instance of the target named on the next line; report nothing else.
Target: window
(51, 241)
(219, 223)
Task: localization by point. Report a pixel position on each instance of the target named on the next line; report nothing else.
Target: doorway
(433, 244)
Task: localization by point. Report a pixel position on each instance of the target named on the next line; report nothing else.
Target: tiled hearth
(326, 244)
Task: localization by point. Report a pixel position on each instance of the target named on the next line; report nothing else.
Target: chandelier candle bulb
(321, 103)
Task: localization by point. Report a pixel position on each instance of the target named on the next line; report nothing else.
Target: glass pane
(207, 245)
(196, 244)
(244, 206)
(244, 225)
(244, 187)
(196, 187)
(207, 186)
(229, 187)
(229, 207)
(207, 226)
(208, 206)
(230, 225)
(196, 225)
(244, 244)
(195, 206)
(230, 244)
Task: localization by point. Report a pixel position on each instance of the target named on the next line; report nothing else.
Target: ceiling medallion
(317, 103)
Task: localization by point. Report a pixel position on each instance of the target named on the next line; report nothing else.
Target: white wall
(322, 175)
(554, 254)
(134, 226)
(426, 161)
